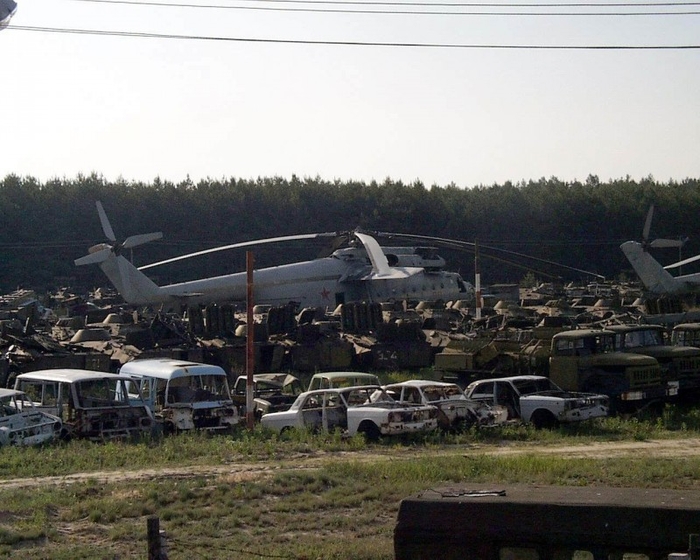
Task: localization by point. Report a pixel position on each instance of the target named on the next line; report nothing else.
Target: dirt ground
(256, 470)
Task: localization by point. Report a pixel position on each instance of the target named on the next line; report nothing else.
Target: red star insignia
(325, 293)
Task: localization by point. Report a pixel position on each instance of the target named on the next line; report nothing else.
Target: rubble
(512, 337)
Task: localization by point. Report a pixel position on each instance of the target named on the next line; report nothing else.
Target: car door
(484, 392)
(334, 412)
(506, 395)
(312, 412)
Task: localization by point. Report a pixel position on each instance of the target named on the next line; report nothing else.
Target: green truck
(680, 365)
(587, 360)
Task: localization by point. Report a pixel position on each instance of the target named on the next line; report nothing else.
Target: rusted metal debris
(97, 333)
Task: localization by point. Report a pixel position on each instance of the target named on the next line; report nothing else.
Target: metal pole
(477, 280)
(153, 536)
(693, 546)
(250, 348)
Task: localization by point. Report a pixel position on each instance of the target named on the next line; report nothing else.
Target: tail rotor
(100, 252)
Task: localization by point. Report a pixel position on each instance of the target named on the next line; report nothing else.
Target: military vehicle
(587, 360)
(680, 365)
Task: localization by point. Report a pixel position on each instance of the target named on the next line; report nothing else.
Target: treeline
(44, 227)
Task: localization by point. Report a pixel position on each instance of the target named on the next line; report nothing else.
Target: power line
(441, 4)
(348, 43)
(404, 12)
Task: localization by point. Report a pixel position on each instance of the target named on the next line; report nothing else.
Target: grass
(344, 507)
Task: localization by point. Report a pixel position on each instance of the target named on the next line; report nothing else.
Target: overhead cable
(394, 12)
(439, 4)
(348, 43)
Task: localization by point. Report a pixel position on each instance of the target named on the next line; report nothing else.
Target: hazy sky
(140, 108)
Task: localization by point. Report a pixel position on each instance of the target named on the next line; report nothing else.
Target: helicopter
(7, 10)
(361, 272)
(656, 278)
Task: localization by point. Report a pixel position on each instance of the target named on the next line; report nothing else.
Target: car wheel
(543, 419)
(370, 430)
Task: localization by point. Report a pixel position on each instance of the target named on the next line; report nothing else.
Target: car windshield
(265, 387)
(442, 392)
(639, 339)
(98, 393)
(366, 395)
(11, 404)
(527, 386)
(198, 388)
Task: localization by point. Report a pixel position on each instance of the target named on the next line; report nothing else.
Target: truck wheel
(543, 419)
(370, 430)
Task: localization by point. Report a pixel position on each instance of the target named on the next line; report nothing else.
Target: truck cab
(587, 360)
(680, 365)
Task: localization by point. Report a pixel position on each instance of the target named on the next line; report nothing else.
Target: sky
(348, 96)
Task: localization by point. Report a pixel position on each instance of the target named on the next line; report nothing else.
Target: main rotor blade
(136, 240)
(454, 243)
(106, 226)
(377, 257)
(666, 243)
(238, 246)
(647, 223)
(683, 262)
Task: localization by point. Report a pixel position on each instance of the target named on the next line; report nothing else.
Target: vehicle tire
(370, 430)
(543, 419)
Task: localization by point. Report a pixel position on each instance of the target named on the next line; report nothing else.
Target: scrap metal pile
(511, 337)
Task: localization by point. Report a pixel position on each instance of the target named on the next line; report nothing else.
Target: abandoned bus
(509, 522)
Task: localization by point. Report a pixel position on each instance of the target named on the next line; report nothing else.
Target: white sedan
(456, 411)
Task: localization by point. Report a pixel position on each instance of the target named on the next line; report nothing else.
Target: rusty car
(272, 392)
(366, 409)
(455, 410)
(91, 404)
(21, 423)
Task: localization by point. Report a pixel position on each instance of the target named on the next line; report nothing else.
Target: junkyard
(350, 280)
(596, 391)
(154, 420)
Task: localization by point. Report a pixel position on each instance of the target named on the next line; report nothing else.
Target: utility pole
(477, 280)
(250, 348)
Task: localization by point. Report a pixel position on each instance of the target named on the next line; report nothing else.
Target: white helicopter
(360, 273)
(656, 278)
(7, 10)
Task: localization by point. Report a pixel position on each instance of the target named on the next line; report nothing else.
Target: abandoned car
(336, 379)
(455, 410)
(272, 392)
(21, 423)
(91, 404)
(364, 409)
(537, 399)
(184, 395)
